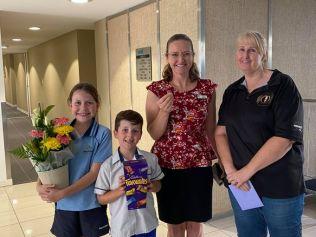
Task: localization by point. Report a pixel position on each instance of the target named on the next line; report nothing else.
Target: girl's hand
(43, 190)
(55, 195)
(165, 103)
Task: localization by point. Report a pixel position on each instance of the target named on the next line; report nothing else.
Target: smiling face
(83, 106)
(128, 135)
(180, 57)
(251, 52)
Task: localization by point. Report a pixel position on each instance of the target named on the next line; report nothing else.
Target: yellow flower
(51, 143)
(63, 130)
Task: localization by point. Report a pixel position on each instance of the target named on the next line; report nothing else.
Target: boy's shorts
(89, 223)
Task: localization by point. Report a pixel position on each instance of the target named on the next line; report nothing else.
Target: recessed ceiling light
(16, 39)
(80, 1)
(34, 28)
(4, 47)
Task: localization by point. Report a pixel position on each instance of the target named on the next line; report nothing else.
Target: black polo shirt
(250, 119)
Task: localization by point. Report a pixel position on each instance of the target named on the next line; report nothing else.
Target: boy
(110, 185)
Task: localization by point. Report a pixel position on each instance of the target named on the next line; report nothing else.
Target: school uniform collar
(118, 157)
(92, 130)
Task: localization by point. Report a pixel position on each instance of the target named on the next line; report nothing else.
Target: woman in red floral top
(180, 111)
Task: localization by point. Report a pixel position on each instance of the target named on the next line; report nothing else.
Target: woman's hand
(239, 178)
(165, 103)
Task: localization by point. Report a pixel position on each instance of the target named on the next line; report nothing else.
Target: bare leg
(176, 230)
(194, 229)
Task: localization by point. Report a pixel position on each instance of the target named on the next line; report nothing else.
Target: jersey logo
(265, 99)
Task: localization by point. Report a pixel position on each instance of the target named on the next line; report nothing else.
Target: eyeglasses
(176, 55)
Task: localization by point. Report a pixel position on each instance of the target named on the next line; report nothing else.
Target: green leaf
(48, 108)
(19, 152)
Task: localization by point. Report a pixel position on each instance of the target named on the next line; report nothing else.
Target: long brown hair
(167, 74)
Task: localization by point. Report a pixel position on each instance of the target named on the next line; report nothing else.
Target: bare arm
(273, 150)
(211, 121)
(114, 194)
(83, 182)
(225, 157)
(223, 149)
(157, 113)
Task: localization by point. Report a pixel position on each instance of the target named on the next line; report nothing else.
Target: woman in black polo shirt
(259, 138)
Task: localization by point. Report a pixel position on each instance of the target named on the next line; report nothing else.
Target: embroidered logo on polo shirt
(265, 99)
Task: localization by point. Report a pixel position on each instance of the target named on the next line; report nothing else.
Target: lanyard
(137, 155)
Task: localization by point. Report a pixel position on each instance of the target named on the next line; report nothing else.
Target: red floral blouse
(185, 143)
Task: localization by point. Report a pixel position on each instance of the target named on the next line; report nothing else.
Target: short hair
(86, 87)
(194, 73)
(129, 115)
(259, 41)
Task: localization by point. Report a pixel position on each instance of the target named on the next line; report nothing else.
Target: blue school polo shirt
(94, 146)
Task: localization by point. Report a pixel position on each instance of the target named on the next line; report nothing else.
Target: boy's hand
(153, 186)
(121, 187)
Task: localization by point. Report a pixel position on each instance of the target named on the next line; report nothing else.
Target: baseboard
(21, 110)
(7, 182)
(12, 105)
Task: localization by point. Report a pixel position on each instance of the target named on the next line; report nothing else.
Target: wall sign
(143, 64)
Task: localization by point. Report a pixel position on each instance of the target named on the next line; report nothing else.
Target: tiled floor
(23, 213)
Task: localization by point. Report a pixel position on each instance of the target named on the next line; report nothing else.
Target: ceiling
(55, 17)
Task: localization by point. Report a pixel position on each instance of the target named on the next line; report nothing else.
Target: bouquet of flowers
(48, 150)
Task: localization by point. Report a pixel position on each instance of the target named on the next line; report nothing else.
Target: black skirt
(185, 195)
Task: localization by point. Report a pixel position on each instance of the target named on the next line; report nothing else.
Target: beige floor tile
(207, 228)
(37, 227)
(29, 201)
(35, 212)
(11, 231)
(5, 205)
(161, 231)
(7, 218)
(223, 223)
(231, 231)
(310, 232)
(46, 235)
(217, 233)
(21, 190)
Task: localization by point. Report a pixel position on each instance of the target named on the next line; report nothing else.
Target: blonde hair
(260, 44)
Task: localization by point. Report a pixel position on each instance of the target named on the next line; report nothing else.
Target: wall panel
(143, 33)
(179, 16)
(102, 72)
(20, 82)
(294, 53)
(120, 85)
(224, 20)
(294, 42)
(54, 70)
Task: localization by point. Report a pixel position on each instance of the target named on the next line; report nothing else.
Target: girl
(78, 212)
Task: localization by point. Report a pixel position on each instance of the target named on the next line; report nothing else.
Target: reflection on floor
(23, 213)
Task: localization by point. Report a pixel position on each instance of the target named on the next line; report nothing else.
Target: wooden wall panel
(143, 33)
(294, 42)
(179, 16)
(120, 86)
